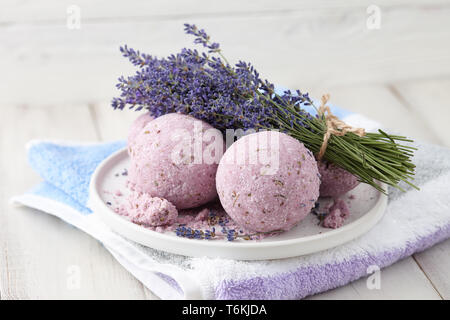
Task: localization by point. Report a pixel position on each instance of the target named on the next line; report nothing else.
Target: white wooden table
(57, 82)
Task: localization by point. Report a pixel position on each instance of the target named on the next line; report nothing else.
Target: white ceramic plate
(366, 209)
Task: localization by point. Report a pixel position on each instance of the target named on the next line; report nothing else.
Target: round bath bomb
(151, 211)
(268, 181)
(175, 157)
(335, 180)
(137, 126)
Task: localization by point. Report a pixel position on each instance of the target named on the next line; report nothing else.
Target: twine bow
(335, 126)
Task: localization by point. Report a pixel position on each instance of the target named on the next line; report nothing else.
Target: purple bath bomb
(268, 195)
(137, 126)
(169, 159)
(335, 180)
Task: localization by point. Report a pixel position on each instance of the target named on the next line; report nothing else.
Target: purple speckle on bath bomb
(165, 162)
(335, 180)
(273, 192)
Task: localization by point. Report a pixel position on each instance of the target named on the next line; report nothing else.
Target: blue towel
(67, 169)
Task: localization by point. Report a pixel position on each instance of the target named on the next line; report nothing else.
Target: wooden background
(57, 83)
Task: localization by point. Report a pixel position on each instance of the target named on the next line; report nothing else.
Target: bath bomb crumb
(333, 220)
(202, 215)
(337, 215)
(342, 206)
(152, 211)
(335, 180)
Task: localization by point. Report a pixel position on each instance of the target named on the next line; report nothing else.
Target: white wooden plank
(435, 263)
(39, 253)
(380, 104)
(309, 48)
(48, 11)
(431, 101)
(403, 280)
(113, 124)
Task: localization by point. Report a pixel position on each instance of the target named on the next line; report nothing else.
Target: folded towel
(413, 222)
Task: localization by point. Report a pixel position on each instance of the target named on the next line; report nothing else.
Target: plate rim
(127, 228)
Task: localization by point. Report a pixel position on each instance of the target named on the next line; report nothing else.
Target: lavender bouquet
(206, 86)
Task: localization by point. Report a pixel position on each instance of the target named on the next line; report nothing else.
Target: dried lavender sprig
(201, 38)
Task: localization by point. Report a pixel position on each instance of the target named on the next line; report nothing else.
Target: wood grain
(54, 11)
(113, 124)
(430, 100)
(303, 48)
(378, 102)
(435, 263)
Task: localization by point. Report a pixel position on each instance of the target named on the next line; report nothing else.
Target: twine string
(335, 126)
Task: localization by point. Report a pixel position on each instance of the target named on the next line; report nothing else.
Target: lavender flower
(320, 214)
(223, 221)
(203, 86)
(231, 235)
(201, 37)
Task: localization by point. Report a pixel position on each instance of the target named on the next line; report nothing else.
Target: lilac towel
(413, 222)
